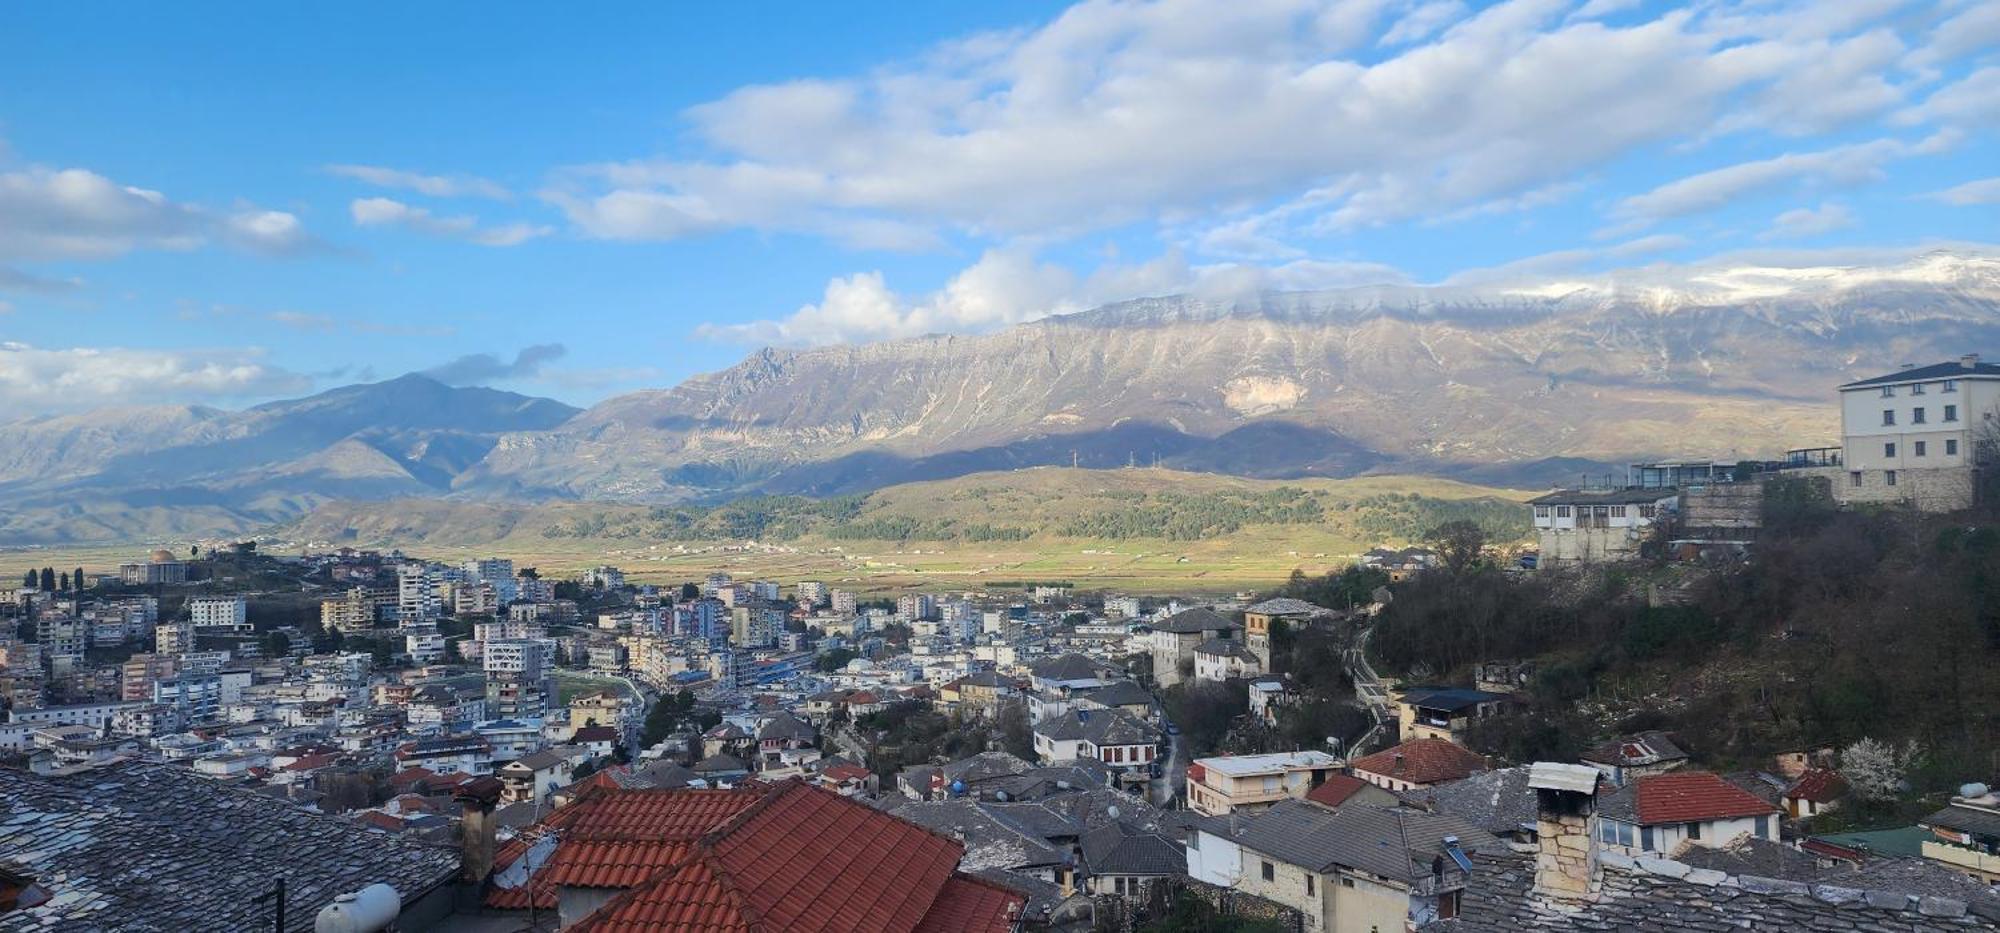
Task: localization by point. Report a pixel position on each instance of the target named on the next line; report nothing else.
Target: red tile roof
(972, 905)
(1818, 785)
(805, 859)
(1423, 761)
(1336, 790)
(382, 821)
(1693, 796)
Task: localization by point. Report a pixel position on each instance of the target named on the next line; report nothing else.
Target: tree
(1204, 712)
(277, 644)
(62, 582)
(1017, 735)
(1875, 769)
(32, 581)
(834, 660)
(383, 653)
(690, 592)
(1459, 545)
(77, 579)
(48, 579)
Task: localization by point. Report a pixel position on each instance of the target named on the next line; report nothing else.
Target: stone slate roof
(1225, 648)
(141, 848)
(1645, 748)
(787, 727)
(720, 764)
(1496, 801)
(1193, 621)
(1119, 693)
(1666, 897)
(1120, 847)
(1286, 606)
(1764, 858)
(1966, 820)
(1071, 666)
(1639, 496)
(1393, 842)
(989, 843)
(1099, 727)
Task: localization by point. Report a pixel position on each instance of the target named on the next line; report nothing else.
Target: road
(1371, 691)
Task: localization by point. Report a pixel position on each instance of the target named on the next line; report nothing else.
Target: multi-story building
(812, 593)
(419, 589)
(196, 697)
(843, 602)
(496, 572)
(353, 611)
(162, 567)
(755, 625)
(219, 612)
(1579, 526)
(139, 673)
(64, 639)
(1966, 835)
(913, 606)
(1914, 436)
(1219, 786)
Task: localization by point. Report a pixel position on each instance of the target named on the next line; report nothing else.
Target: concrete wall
(1366, 906)
(1571, 546)
(1288, 887)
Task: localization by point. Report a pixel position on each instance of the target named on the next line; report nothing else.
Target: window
(1951, 448)
(1889, 477)
(1309, 886)
(1920, 447)
(1541, 511)
(1562, 511)
(1888, 417)
(1949, 385)
(1889, 449)
(1917, 389)
(1764, 827)
(1347, 882)
(1854, 479)
(1951, 413)
(1646, 838)
(1617, 511)
(1916, 416)
(1694, 830)
(1888, 391)
(1270, 874)
(1448, 904)
(1648, 511)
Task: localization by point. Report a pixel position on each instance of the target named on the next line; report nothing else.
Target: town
(471, 745)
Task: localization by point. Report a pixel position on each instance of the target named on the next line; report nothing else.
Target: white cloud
(1841, 166)
(78, 214)
(1983, 191)
(38, 379)
(377, 212)
(1809, 221)
(1973, 100)
(1118, 112)
(437, 186)
(1008, 286)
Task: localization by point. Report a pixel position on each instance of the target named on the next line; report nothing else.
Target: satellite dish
(1112, 811)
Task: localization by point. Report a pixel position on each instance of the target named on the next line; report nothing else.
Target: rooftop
(1247, 765)
(142, 847)
(1192, 621)
(1423, 761)
(1682, 797)
(1965, 368)
(1390, 841)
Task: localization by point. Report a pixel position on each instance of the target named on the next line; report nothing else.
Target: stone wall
(1947, 489)
(1566, 868)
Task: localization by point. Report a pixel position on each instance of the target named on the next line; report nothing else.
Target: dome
(163, 556)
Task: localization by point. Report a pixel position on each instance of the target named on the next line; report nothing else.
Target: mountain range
(1527, 384)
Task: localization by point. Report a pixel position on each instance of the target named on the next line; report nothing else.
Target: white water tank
(368, 910)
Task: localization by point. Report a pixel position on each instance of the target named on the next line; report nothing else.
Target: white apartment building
(419, 589)
(219, 611)
(523, 658)
(1912, 436)
(497, 572)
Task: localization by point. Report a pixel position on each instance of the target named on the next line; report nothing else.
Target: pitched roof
(1682, 797)
(719, 763)
(1818, 785)
(1336, 789)
(1286, 606)
(787, 727)
(1122, 848)
(806, 859)
(1224, 647)
(973, 904)
(1645, 748)
(1497, 801)
(1423, 761)
(1391, 841)
(1639, 496)
(1450, 699)
(1119, 693)
(595, 734)
(1071, 666)
(1954, 369)
(1192, 621)
(148, 847)
(1099, 727)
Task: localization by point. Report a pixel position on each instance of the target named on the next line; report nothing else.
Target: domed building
(161, 566)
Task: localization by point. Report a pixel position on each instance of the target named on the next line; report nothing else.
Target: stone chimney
(1567, 874)
(476, 825)
(1969, 361)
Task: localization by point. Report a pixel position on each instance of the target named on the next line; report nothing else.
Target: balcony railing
(1812, 457)
(1433, 885)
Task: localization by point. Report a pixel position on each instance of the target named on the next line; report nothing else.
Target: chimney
(1567, 874)
(1969, 361)
(476, 826)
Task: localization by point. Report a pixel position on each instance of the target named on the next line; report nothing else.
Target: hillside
(1520, 384)
(1110, 527)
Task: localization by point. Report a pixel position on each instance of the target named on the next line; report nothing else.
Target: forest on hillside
(1840, 626)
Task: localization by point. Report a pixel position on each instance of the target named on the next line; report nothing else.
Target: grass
(570, 685)
(1358, 513)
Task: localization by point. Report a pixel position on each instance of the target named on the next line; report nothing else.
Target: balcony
(1432, 885)
(1806, 457)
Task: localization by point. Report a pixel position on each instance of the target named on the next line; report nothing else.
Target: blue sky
(255, 202)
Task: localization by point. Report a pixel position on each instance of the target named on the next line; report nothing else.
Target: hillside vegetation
(1842, 626)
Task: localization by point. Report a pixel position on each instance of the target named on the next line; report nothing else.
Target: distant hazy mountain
(143, 472)
(1522, 385)
(1514, 384)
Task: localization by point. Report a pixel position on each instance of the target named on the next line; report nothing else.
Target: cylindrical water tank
(1974, 789)
(368, 910)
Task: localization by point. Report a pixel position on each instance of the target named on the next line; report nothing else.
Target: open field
(1135, 530)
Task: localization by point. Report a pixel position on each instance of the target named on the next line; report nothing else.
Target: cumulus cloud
(437, 186)
(39, 379)
(78, 214)
(1009, 286)
(377, 212)
(1115, 113)
(1809, 221)
(1983, 191)
(482, 368)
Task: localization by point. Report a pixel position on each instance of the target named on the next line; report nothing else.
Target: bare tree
(1459, 545)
